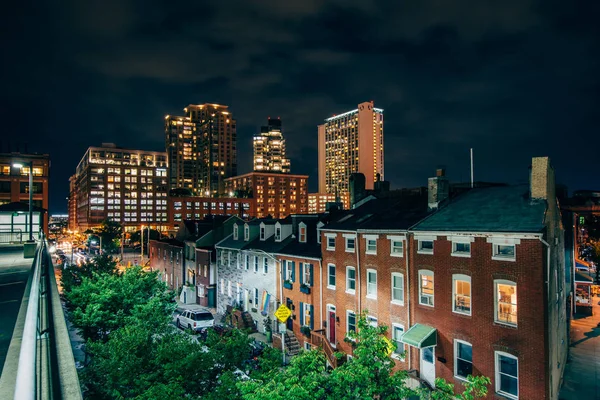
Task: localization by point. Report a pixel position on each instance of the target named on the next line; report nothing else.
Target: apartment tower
(269, 149)
(351, 142)
(201, 148)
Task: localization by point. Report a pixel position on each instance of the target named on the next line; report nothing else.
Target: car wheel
(178, 324)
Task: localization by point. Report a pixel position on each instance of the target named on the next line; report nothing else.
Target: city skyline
(511, 80)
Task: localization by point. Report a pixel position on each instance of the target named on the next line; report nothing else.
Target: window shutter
(293, 265)
(310, 266)
(301, 314)
(312, 316)
(301, 272)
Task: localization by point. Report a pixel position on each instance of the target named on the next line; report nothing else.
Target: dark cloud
(512, 79)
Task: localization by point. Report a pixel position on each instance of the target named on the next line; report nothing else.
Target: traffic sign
(389, 346)
(283, 313)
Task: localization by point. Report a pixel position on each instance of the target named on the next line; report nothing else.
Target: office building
(14, 183)
(269, 149)
(351, 142)
(128, 186)
(199, 207)
(72, 203)
(277, 195)
(201, 148)
(320, 202)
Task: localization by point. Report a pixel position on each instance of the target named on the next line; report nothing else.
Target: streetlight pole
(30, 164)
(142, 247)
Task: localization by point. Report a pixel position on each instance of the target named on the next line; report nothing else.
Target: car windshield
(202, 317)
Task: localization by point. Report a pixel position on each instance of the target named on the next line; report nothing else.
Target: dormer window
(262, 232)
(302, 233)
(246, 233)
(278, 234)
(235, 232)
(319, 226)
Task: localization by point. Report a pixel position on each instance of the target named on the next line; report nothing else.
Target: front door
(331, 326)
(289, 324)
(211, 294)
(428, 365)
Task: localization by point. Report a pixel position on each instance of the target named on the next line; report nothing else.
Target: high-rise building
(351, 142)
(127, 186)
(72, 203)
(14, 184)
(269, 149)
(201, 148)
(277, 195)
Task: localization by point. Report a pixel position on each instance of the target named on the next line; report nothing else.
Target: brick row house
(469, 285)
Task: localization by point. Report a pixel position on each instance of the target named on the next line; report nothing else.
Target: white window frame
(400, 301)
(456, 342)
(229, 288)
(371, 294)
(222, 286)
(247, 263)
(426, 272)
(288, 270)
(306, 274)
(239, 260)
(329, 286)
(278, 232)
(263, 232)
(371, 241)
(235, 232)
(255, 264)
(456, 253)
(347, 240)
(246, 233)
(319, 226)
(328, 237)
(266, 265)
(421, 250)
(348, 313)
(496, 252)
(372, 320)
(497, 301)
(497, 355)
(306, 312)
(302, 232)
(348, 290)
(255, 298)
(399, 344)
(463, 278)
(392, 247)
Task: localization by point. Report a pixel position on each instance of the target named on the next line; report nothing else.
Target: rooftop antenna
(471, 168)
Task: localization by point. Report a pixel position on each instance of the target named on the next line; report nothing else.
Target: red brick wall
(202, 260)
(525, 341)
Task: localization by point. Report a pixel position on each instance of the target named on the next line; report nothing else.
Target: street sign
(390, 346)
(283, 313)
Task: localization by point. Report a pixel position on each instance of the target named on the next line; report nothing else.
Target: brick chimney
(542, 184)
(438, 189)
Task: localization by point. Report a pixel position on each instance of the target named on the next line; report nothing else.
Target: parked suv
(196, 320)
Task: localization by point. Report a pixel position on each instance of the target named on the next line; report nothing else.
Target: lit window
(331, 276)
(426, 288)
(350, 280)
(463, 359)
(506, 302)
(461, 291)
(303, 234)
(507, 375)
(397, 288)
(371, 284)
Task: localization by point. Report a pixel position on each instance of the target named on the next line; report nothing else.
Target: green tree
(73, 275)
(149, 234)
(110, 232)
(102, 303)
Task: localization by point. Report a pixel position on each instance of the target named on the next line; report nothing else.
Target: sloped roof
(493, 209)
(17, 206)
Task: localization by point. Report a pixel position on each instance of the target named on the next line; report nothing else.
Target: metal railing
(11, 236)
(46, 367)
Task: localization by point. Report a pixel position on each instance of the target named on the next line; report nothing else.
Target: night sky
(512, 79)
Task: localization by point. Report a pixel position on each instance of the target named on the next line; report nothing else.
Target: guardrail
(11, 236)
(46, 367)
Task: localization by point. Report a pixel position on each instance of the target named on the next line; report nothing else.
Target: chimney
(356, 183)
(438, 189)
(542, 179)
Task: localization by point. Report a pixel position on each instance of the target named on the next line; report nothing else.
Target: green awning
(420, 336)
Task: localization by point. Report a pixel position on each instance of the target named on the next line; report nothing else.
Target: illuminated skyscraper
(351, 142)
(201, 148)
(269, 149)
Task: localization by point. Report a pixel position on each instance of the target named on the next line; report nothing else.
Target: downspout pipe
(408, 293)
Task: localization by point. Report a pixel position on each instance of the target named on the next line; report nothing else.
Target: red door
(332, 327)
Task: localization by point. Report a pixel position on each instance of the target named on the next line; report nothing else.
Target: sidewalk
(582, 373)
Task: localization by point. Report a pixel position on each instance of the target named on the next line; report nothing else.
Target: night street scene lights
(30, 165)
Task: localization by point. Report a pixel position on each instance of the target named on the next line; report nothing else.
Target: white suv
(196, 320)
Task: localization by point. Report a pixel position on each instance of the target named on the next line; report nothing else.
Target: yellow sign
(283, 313)
(390, 346)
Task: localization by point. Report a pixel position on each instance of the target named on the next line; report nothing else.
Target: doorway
(331, 325)
(428, 365)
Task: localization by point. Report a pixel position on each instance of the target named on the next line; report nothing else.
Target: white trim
(372, 237)
(425, 251)
(496, 256)
(350, 291)
(463, 278)
(346, 239)
(371, 296)
(334, 276)
(393, 301)
(455, 253)
(394, 354)
(503, 240)
(355, 322)
(367, 240)
(396, 237)
(456, 341)
(349, 235)
(497, 301)
(461, 239)
(509, 235)
(426, 272)
(497, 373)
(426, 236)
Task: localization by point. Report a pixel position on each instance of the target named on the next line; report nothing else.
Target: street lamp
(30, 164)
